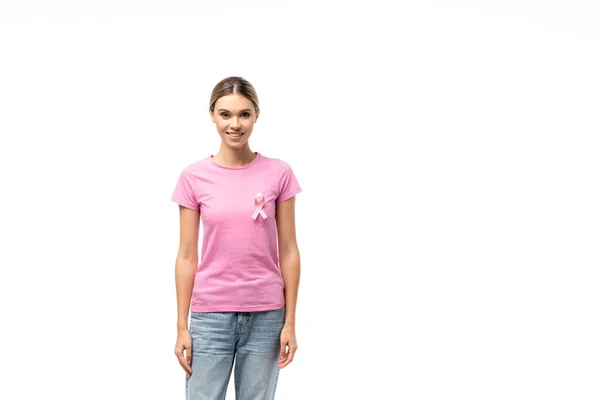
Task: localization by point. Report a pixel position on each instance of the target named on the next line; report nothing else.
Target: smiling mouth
(235, 134)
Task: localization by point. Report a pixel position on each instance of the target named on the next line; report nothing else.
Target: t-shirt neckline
(210, 157)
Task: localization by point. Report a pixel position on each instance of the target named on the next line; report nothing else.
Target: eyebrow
(222, 109)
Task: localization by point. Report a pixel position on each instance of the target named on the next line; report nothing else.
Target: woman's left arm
(289, 260)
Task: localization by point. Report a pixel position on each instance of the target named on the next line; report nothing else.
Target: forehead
(234, 102)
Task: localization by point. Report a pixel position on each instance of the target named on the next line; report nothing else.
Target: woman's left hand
(288, 338)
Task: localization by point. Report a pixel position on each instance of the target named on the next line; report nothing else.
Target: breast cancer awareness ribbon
(259, 202)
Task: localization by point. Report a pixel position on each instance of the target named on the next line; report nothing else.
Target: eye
(246, 114)
(224, 114)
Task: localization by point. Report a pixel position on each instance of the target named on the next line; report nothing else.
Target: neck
(234, 157)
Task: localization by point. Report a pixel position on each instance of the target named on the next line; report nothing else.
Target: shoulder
(194, 168)
(276, 163)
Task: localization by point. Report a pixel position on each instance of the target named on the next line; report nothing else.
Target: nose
(235, 123)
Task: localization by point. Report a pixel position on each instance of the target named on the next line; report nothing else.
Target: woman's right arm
(186, 263)
(185, 271)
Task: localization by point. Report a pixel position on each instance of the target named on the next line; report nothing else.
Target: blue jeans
(253, 338)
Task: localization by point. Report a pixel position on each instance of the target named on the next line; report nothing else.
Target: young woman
(243, 292)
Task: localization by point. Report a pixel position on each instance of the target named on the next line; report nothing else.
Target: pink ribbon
(259, 202)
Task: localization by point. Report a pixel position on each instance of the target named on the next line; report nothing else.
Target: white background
(448, 224)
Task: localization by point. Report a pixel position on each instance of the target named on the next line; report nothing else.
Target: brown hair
(233, 85)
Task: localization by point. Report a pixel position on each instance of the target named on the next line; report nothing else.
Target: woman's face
(235, 117)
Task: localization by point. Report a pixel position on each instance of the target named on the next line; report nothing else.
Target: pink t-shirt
(239, 265)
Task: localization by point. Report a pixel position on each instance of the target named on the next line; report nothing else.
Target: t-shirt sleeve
(288, 185)
(184, 192)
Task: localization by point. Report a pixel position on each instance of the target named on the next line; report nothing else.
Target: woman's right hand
(184, 342)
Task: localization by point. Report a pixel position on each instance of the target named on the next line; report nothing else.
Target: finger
(184, 364)
(284, 361)
(188, 353)
(290, 357)
(186, 367)
(281, 361)
(282, 352)
(283, 364)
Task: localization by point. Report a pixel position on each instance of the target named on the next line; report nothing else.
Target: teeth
(235, 134)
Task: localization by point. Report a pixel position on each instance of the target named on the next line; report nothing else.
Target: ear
(257, 113)
(212, 116)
